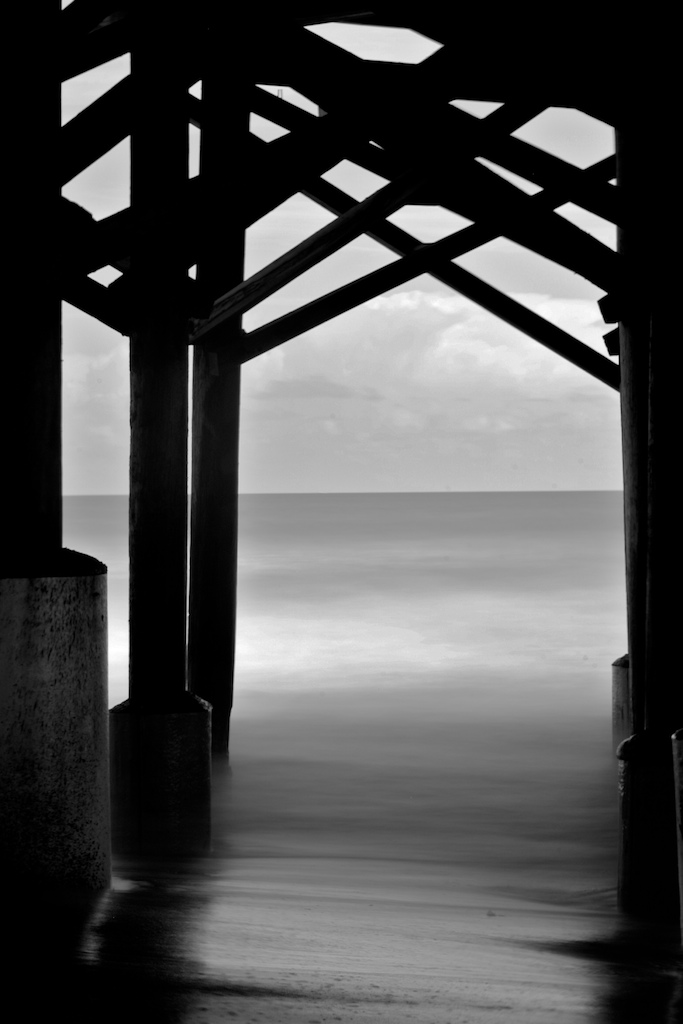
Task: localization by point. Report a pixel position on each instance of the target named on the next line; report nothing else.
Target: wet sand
(355, 879)
(312, 941)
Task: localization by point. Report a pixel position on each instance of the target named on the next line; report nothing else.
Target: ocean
(425, 675)
(418, 820)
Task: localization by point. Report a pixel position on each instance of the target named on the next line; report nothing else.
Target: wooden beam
(342, 83)
(104, 123)
(500, 208)
(611, 340)
(586, 188)
(89, 245)
(111, 232)
(270, 178)
(320, 245)
(426, 259)
(539, 167)
(398, 241)
(515, 314)
(347, 227)
(358, 149)
(492, 56)
(159, 371)
(95, 130)
(83, 16)
(339, 301)
(268, 191)
(80, 52)
(470, 237)
(97, 301)
(483, 196)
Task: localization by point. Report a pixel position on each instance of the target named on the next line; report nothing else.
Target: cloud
(314, 386)
(417, 347)
(464, 398)
(417, 389)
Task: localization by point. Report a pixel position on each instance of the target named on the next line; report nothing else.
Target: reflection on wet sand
(357, 889)
(180, 948)
(640, 971)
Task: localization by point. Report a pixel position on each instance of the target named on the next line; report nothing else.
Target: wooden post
(650, 418)
(216, 381)
(633, 362)
(213, 565)
(663, 690)
(160, 738)
(159, 369)
(30, 401)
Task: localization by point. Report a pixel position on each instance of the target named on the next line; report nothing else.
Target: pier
(180, 296)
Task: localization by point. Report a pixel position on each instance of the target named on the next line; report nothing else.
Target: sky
(418, 389)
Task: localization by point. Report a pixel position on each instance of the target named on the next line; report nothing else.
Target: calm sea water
(420, 677)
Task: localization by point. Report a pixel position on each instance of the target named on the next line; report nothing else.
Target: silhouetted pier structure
(398, 122)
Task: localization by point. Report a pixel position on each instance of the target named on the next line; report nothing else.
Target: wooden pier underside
(399, 122)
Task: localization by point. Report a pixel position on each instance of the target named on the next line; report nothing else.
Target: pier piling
(217, 377)
(161, 733)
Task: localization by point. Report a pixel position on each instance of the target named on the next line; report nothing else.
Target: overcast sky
(418, 389)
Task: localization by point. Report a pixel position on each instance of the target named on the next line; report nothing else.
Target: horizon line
(256, 494)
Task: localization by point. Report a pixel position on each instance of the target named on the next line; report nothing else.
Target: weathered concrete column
(160, 737)
(647, 855)
(161, 778)
(54, 783)
(54, 760)
(622, 709)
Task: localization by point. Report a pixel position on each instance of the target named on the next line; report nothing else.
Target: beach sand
(312, 941)
(289, 921)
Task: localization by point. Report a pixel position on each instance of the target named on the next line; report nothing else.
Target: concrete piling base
(161, 778)
(54, 766)
(677, 740)
(622, 713)
(648, 875)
